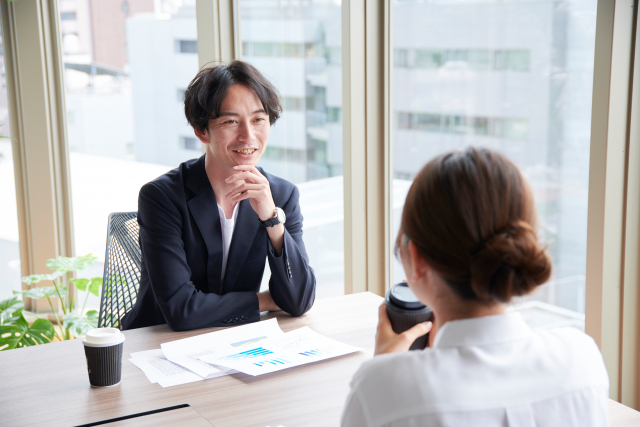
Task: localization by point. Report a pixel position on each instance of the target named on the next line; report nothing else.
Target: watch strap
(270, 222)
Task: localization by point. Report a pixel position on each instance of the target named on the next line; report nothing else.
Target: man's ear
(203, 135)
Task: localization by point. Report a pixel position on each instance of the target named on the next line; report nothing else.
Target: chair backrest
(121, 269)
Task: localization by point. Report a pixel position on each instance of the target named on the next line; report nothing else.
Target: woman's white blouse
(487, 371)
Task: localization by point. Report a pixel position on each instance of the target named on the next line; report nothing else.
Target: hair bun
(510, 263)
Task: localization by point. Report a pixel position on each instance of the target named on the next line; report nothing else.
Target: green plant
(16, 332)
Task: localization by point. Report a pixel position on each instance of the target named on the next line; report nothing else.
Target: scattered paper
(189, 351)
(294, 348)
(158, 369)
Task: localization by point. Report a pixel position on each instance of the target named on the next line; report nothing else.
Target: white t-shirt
(488, 371)
(226, 227)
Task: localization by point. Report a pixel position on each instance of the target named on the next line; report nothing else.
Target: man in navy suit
(207, 227)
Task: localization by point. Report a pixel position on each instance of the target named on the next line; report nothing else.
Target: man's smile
(246, 151)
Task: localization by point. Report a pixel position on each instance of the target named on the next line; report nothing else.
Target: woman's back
(487, 371)
(468, 244)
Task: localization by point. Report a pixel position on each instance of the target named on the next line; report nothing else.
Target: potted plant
(15, 331)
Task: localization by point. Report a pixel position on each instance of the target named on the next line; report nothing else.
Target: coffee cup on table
(103, 350)
(405, 311)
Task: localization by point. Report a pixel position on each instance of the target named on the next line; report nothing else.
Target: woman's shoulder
(576, 352)
(387, 369)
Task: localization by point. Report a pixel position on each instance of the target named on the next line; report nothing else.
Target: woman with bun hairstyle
(468, 245)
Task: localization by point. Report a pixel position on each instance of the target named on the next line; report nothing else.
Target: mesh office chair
(121, 269)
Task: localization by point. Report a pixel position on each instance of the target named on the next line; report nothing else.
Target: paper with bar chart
(294, 348)
(187, 352)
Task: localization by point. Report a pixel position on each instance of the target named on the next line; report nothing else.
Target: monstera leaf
(19, 334)
(10, 309)
(37, 278)
(78, 324)
(47, 291)
(71, 263)
(93, 284)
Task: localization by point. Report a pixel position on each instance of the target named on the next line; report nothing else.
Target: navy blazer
(181, 242)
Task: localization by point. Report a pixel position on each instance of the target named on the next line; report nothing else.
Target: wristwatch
(278, 218)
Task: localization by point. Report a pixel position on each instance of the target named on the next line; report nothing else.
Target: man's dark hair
(206, 92)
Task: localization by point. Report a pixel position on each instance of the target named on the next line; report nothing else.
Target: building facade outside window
(125, 73)
(295, 44)
(10, 270)
(515, 77)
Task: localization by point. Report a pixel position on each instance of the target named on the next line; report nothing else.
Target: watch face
(280, 215)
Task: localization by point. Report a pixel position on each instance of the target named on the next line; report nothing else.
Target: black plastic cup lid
(402, 296)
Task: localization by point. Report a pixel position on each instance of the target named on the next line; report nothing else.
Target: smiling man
(208, 226)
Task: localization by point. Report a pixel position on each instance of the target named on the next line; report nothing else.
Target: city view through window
(9, 239)
(515, 77)
(127, 65)
(297, 45)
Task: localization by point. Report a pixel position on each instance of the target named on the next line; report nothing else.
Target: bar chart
(272, 362)
(320, 352)
(249, 354)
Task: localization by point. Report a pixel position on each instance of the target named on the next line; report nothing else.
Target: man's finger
(246, 176)
(249, 168)
(244, 187)
(249, 194)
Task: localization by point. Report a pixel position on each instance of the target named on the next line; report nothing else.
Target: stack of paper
(177, 361)
(294, 348)
(255, 349)
(159, 370)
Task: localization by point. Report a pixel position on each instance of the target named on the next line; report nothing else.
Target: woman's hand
(254, 186)
(388, 341)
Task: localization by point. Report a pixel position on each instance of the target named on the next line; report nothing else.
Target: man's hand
(388, 341)
(265, 302)
(254, 186)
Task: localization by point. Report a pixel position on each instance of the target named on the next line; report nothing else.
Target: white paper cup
(103, 350)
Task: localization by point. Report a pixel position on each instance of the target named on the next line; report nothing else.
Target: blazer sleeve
(293, 282)
(182, 305)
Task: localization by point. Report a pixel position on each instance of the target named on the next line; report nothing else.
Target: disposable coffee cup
(405, 311)
(103, 349)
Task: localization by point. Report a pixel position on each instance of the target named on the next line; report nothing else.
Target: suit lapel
(244, 233)
(204, 208)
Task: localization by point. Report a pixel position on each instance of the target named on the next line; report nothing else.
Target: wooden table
(49, 385)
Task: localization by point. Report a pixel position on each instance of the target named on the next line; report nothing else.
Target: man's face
(239, 135)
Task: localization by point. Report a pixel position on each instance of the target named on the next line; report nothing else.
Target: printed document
(159, 370)
(294, 348)
(187, 352)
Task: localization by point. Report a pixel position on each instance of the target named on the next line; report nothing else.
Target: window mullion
(607, 166)
(354, 145)
(36, 102)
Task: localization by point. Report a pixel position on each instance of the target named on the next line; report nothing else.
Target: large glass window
(515, 77)
(298, 46)
(9, 249)
(126, 65)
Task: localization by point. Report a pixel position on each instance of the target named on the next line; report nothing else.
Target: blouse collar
(482, 330)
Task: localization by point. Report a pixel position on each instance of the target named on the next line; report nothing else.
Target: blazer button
(244, 318)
